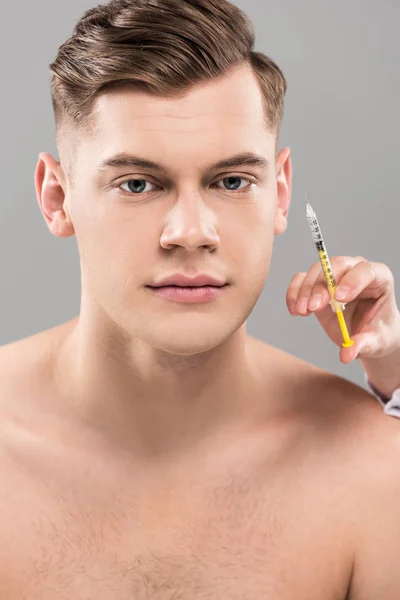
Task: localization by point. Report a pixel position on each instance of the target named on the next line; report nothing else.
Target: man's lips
(182, 280)
(194, 294)
(185, 286)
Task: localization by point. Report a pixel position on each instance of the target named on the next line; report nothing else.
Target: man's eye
(232, 185)
(138, 186)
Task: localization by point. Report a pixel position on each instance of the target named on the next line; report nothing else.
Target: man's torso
(260, 513)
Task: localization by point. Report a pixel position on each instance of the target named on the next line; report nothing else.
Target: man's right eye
(137, 187)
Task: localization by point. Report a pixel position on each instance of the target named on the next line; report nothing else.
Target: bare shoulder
(25, 374)
(346, 426)
(28, 358)
(332, 409)
(33, 348)
(354, 438)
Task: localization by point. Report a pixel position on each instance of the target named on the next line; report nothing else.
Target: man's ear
(284, 189)
(50, 187)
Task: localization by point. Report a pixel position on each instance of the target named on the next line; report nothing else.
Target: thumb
(365, 345)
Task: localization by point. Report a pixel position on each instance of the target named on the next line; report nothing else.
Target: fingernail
(302, 305)
(315, 302)
(341, 292)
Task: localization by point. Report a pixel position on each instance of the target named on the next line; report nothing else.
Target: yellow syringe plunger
(338, 309)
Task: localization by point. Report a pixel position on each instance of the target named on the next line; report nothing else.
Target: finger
(340, 265)
(293, 290)
(366, 280)
(304, 286)
(303, 291)
(319, 295)
(347, 355)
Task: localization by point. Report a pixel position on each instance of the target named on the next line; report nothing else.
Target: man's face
(135, 226)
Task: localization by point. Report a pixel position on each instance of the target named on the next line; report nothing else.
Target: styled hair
(161, 47)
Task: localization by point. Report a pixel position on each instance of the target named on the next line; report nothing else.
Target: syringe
(336, 306)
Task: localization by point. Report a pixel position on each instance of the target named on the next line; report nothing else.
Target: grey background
(341, 122)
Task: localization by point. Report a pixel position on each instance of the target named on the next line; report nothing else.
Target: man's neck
(151, 402)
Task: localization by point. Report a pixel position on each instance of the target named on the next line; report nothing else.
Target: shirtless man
(151, 448)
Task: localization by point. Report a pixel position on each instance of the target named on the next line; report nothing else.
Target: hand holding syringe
(372, 314)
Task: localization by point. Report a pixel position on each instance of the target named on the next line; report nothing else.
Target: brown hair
(161, 47)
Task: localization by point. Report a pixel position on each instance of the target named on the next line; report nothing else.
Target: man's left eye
(233, 178)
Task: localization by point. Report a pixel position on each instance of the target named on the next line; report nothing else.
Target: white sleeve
(390, 407)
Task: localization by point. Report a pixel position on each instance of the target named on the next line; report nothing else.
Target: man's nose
(191, 224)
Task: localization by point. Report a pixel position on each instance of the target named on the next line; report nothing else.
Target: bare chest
(68, 532)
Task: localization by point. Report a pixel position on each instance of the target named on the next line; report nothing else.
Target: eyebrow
(123, 159)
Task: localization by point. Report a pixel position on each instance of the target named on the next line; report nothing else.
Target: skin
(155, 450)
(149, 354)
